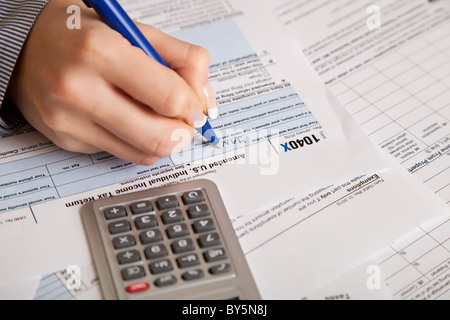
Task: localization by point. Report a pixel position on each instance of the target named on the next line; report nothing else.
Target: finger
(108, 142)
(190, 61)
(147, 81)
(73, 129)
(62, 140)
(87, 137)
(134, 123)
(67, 142)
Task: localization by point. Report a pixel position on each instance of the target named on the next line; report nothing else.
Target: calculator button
(188, 260)
(161, 266)
(172, 216)
(150, 236)
(182, 245)
(167, 202)
(215, 254)
(115, 212)
(177, 230)
(193, 196)
(133, 272)
(145, 222)
(165, 281)
(198, 211)
(128, 257)
(193, 275)
(137, 287)
(119, 227)
(220, 269)
(155, 251)
(209, 240)
(203, 225)
(125, 241)
(141, 207)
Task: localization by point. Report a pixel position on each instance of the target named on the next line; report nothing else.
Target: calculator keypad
(166, 241)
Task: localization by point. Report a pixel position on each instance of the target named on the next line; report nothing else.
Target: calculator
(171, 242)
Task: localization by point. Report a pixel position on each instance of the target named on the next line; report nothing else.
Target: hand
(89, 90)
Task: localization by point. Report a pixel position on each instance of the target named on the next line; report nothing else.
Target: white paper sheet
(415, 267)
(388, 62)
(267, 125)
(42, 187)
(304, 243)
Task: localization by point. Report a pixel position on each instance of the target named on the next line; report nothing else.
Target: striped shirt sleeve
(16, 19)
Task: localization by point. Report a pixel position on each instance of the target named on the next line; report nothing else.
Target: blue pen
(116, 18)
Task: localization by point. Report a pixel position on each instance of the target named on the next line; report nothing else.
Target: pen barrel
(111, 12)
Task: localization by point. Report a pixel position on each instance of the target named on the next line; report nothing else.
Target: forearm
(17, 17)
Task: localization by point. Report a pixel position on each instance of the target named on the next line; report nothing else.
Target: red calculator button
(137, 287)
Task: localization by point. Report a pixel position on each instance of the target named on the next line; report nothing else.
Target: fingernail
(196, 119)
(213, 113)
(210, 99)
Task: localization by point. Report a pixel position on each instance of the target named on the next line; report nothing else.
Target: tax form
(393, 78)
(283, 134)
(266, 126)
(274, 144)
(321, 244)
(415, 267)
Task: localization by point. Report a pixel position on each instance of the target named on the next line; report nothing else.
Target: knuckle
(160, 146)
(88, 42)
(201, 53)
(73, 145)
(55, 120)
(65, 87)
(177, 100)
(68, 92)
(199, 56)
(145, 160)
(95, 47)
